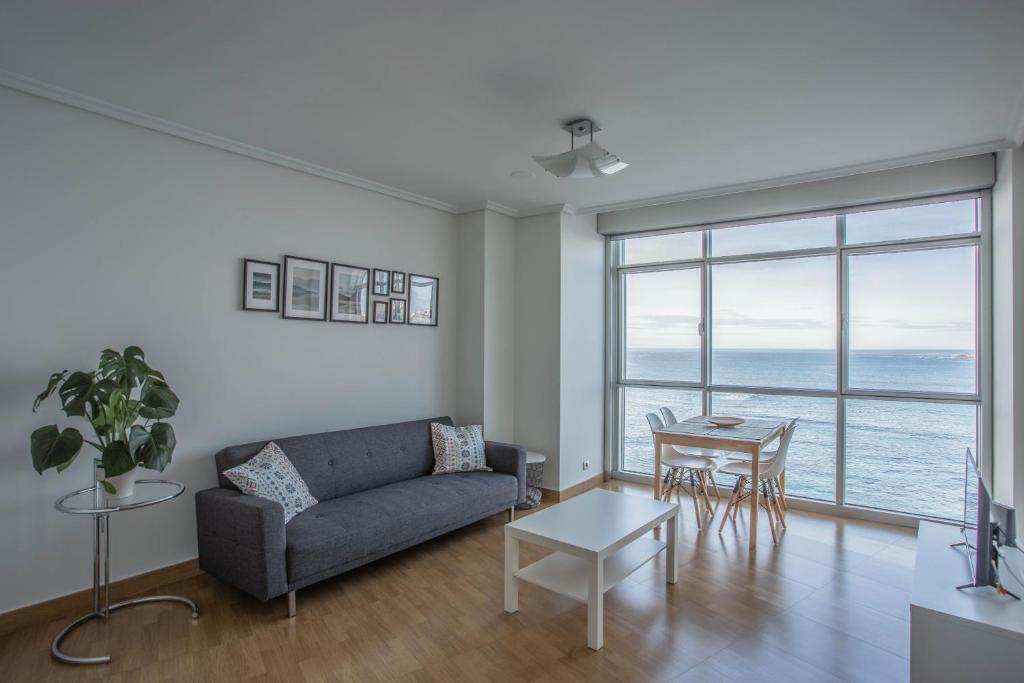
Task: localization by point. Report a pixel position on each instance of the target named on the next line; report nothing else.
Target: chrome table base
(103, 659)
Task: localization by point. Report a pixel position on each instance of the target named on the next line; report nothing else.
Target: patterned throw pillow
(270, 474)
(458, 449)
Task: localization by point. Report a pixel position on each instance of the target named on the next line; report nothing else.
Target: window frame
(981, 398)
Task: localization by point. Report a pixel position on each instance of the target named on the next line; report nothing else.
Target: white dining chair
(685, 470)
(670, 419)
(769, 471)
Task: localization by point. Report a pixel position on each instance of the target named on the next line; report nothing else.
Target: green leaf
(52, 447)
(114, 369)
(117, 459)
(108, 487)
(128, 369)
(158, 401)
(55, 378)
(76, 393)
(135, 363)
(152, 448)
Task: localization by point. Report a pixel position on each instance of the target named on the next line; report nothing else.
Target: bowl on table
(725, 420)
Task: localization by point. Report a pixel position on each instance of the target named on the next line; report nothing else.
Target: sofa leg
(291, 603)
(512, 514)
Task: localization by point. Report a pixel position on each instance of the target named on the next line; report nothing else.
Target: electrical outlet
(586, 464)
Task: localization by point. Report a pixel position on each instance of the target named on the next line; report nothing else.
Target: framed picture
(380, 312)
(423, 292)
(260, 286)
(305, 288)
(350, 294)
(397, 311)
(397, 282)
(381, 282)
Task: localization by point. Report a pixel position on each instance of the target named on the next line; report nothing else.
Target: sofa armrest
(508, 458)
(242, 541)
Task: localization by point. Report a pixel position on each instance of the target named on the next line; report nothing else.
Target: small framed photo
(397, 312)
(380, 312)
(423, 295)
(260, 282)
(397, 282)
(350, 294)
(381, 282)
(305, 288)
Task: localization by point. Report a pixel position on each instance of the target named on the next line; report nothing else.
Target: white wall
(559, 364)
(470, 323)
(499, 326)
(1008, 329)
(537, 339)
(582, 350)
(113, 235)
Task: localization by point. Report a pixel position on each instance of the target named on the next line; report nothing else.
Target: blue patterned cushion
(458, 449)
(270, 474)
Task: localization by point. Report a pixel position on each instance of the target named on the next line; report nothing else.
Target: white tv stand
(962, 635)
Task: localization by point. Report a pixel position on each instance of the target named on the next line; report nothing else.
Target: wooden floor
(829, 603)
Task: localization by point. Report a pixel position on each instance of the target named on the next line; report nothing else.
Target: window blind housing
(910, 182)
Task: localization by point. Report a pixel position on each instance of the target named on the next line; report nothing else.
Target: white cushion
(458, 449)
(270, 474)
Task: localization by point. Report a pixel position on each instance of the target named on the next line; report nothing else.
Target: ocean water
(906, 456)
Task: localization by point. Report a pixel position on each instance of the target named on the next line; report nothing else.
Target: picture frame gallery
(314, 289)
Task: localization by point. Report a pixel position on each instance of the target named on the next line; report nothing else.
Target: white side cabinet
(969, 635)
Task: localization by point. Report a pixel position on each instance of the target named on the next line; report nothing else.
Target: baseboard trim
(552, 496)
(75, 604)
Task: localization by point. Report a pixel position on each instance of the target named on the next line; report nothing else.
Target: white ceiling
(444, 98)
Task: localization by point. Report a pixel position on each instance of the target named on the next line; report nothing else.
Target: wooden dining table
(697, 432)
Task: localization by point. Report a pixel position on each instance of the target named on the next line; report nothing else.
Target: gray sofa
(376, 496)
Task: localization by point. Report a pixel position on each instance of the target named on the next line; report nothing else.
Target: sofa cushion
(458, 449)
(335, 464)
(269, 474)
(343, 530)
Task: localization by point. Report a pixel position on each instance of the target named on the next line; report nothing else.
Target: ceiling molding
(74, 99)
(549, 208)
(899, 162)
(489, 206)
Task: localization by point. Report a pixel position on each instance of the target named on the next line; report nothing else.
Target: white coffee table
(599, 536)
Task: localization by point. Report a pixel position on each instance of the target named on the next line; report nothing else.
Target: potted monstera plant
(126, 402)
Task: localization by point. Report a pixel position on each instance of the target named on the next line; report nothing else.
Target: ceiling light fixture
(589, 161)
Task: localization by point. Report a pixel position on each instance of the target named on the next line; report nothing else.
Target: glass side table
(91, 501)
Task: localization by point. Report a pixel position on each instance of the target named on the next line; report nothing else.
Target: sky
(905, 300)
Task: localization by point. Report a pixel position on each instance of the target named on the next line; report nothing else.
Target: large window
(663, 316)
(773, 323)
(912, 320)
(863, 323)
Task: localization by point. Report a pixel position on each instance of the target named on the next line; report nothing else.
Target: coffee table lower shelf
(569, 575)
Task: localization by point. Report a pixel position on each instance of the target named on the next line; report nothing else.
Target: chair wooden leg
(778, 511)
(780, 493)
(718, 494)
(704, 493)
(667, 483)
(736, 508)
(768, 511)
(728, 506)
(780, 505)
(696, 505)
(677, 484)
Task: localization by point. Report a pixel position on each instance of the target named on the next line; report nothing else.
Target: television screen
(971, 483)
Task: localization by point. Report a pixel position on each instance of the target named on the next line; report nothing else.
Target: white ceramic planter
(125, 484)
